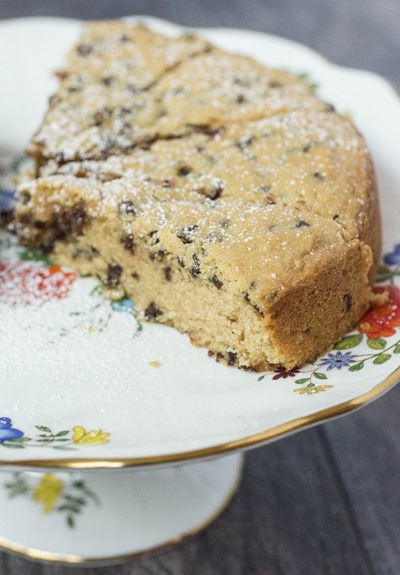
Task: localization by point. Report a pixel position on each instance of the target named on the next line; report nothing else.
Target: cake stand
(116, 437)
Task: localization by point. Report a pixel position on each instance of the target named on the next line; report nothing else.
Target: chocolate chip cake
(222, 196)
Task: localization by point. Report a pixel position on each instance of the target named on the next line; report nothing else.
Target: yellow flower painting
(48, 491)
(68, 497)
(93, 437)
(65, 439)
(312, 390)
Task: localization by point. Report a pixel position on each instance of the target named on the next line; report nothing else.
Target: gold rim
(50, 557)
(250, 441)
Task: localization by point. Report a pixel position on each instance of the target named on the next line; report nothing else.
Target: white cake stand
(102, 517)
(81, 386)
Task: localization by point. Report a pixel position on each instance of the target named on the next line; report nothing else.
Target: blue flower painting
(393, 257)
(338, 360)
(123, 304)
(7, 431)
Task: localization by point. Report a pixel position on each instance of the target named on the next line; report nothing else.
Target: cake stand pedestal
(100, 517)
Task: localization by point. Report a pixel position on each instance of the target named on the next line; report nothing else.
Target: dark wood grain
(324, 501)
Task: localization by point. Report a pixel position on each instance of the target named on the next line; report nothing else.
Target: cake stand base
(101, 517)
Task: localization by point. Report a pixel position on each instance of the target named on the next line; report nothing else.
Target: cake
(223, 197)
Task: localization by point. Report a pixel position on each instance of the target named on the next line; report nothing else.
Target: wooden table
(325, 501)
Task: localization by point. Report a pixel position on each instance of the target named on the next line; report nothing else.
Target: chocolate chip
(336, 217)
(253, 304)
(39, 225)
(215, 190)
(114, 272)
(98, 118)
(241, 98)
(81, 172)
(329, 108)
(183, 169)
(107, 80)
(216, 281)
(59, 158)
(126, 208)
(145, 142)
(24, 219)
(318, 176)
(214, 237)
(195, 270)
(207, 129)
(232, 356)
(240, 82)
(168, 273)
(302, 224)
(186, 234)
(264, 188)
(84, 49)
(154, 239)
(152, 311)
(123, 38)
(85, 253)
(157, 256)
(244, 143)
(132, 89)
(135, 275)
(128, 243)
(204, 129)
(24, 197)
(69, 222)
(348, 301)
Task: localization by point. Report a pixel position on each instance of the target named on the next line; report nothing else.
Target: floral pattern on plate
(28, 278)
(65, 439)
(55, 495)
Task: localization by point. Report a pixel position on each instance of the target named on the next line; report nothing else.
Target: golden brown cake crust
(226, 199)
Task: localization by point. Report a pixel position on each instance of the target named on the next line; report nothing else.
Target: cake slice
(245, 214)
(103, 87)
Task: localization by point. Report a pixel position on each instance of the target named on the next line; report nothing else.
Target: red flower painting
(27, 283)
(381, 321)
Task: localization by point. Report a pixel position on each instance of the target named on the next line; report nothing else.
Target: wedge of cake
(223, 197)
